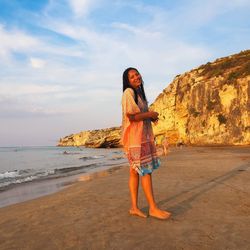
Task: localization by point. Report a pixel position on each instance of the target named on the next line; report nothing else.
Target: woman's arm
(143, 116)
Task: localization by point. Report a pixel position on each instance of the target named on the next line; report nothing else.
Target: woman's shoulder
(128, 92)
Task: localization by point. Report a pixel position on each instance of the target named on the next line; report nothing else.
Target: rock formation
(101, 138)
(209, 105)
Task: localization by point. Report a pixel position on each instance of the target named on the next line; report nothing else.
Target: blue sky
(62, 60)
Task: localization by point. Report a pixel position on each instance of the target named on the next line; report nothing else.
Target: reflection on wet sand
(31, 190)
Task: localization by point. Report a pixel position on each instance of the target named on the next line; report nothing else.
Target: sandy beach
(206, 189)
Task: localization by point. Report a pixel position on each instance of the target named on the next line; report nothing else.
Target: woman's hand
(155, 122)
(154, 116)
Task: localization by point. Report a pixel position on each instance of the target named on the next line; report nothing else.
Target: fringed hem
(147, 168)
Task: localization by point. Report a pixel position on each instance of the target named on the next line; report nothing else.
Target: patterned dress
(137, 136)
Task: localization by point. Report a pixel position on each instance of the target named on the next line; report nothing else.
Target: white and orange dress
(137, 136)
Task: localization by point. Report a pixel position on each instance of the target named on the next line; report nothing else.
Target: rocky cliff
(209, 105)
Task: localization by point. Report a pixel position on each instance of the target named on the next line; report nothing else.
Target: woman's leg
(148, 190)
(133, 187)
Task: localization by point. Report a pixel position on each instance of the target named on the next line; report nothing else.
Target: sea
(49, 166)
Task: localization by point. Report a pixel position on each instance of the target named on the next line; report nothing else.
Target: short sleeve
(128, 103)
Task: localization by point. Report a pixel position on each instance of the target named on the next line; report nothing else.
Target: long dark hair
(126, 84)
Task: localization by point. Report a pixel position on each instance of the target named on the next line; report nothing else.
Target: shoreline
(21, 192)
(206, 190)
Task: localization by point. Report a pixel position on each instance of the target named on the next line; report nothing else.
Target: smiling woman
(138, 142)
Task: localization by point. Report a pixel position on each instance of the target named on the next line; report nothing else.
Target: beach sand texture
(206, 189)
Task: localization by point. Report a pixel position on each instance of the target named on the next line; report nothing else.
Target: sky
(61, 61)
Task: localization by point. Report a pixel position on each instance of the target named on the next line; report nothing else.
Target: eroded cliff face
(209, 105)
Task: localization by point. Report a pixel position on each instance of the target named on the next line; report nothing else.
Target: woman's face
(134, 78)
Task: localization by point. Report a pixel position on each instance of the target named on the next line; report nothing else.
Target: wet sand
(30, 190)
(206, 189)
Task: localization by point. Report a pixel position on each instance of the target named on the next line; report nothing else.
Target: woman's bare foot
(138, 212)
(159, 214)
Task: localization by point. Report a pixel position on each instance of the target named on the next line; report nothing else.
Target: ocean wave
(117, 158)
(10, 181)
(118, 152)
(44, 163)
(28, 175)
(26, 179)
(21, 176)
(71, 169)
(70, 153)
(85, 158)
(9, 174)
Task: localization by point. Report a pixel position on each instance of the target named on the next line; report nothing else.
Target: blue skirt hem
(149, 167)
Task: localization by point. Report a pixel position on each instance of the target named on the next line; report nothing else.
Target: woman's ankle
(134, 207)
(153, 207)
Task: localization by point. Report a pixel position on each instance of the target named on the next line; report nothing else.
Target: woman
(138, 142)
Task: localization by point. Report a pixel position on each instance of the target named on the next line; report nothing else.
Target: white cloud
(197, 13)
(37, 63)
(17, 90)
(145, 32)
(15, 41)
(104, 55)
(156, 52)
(82, 7)
(31, 100)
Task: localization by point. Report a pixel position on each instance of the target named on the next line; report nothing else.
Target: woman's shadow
(199, 190)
